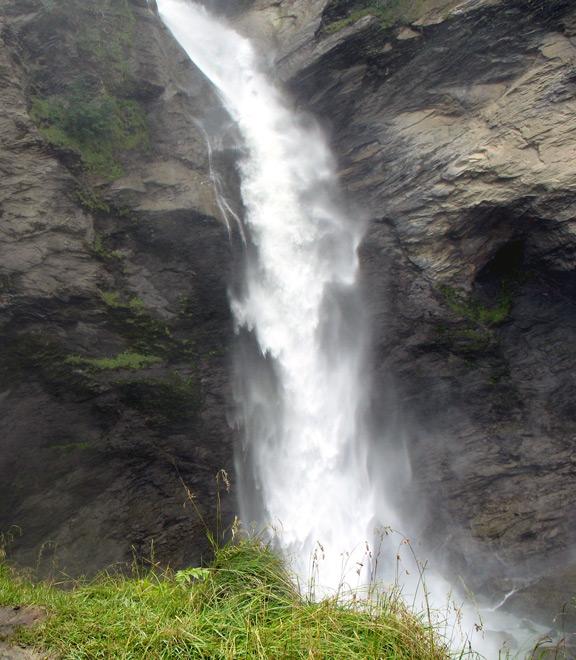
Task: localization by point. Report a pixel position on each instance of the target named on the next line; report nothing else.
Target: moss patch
(478, 312)
(61, 450)
(91, 202)
(473, 335)
(126, 360)
(100, 251)
(97, 114)
(340, 13)
(144, 334)
(99, 128)
(470, 342)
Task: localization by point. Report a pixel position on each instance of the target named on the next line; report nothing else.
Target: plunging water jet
(301, 389)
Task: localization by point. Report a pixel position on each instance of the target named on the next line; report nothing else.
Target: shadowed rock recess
(454, 126)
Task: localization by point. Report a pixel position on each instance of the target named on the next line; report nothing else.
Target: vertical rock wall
(114, 267)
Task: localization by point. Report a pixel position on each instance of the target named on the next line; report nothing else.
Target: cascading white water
(301, 406)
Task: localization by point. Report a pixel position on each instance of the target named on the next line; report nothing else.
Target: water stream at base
(305, 468)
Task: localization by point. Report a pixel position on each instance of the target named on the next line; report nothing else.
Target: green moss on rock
(99, 129)
(143, 333)
(97, 114)
(341, 13)
(91, 202)
(125, 360)
(477, 311)
(100, 251)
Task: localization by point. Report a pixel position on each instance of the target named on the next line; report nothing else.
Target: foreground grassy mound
(244, 605)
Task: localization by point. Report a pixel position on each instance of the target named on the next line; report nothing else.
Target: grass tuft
(243, 605)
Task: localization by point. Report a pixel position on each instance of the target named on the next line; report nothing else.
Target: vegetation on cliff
(96, 113)
(340, 13)
(98, 128)
(243, 605)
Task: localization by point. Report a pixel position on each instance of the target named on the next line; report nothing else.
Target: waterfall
(304, 468)
(306, 465)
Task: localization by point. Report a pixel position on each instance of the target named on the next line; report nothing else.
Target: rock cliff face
(113, 305)
(454, 125)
